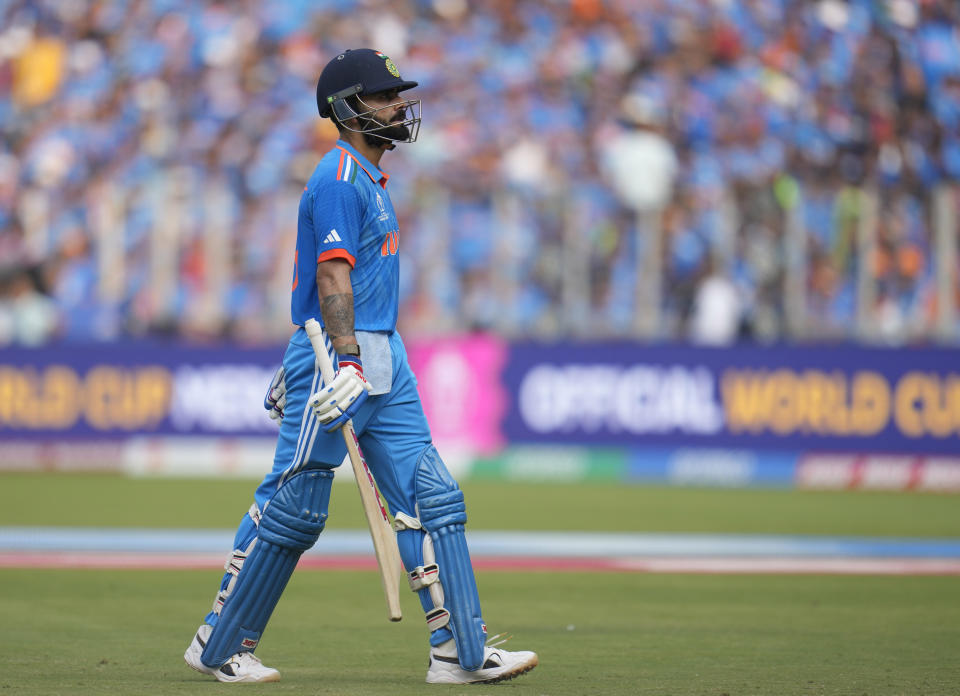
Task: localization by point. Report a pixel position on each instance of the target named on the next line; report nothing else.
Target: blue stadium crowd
(549, 125)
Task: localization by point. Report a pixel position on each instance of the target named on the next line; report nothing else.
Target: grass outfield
(98, 632)
(123, 632)
(113, 500)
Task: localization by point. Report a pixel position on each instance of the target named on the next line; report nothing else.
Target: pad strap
(233, 566)
(437, 618)
(402, 521)
(423, 576)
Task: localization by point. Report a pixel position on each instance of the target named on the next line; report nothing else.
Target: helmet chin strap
(374, 140)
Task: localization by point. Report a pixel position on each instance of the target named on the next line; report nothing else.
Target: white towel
(377, 360)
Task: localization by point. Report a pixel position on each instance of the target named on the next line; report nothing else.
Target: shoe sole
(510, 675)
(197, 669)
(210, 672)
(522, 669)
(213, 673)
(203, 669)
(272, 678)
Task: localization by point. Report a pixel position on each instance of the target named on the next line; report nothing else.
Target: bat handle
(319, 343)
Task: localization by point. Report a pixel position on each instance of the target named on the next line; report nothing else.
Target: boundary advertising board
(482, 394)
(795, 398)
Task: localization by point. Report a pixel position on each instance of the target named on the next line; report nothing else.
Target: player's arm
(337, 402)
(336, 301)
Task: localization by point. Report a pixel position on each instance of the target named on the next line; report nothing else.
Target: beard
(396, 132)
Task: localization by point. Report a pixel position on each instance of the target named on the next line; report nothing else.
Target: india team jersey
(346, 213)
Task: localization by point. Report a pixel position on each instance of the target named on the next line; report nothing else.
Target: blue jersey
(346, 213)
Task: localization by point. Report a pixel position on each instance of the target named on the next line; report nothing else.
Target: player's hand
(276, 398)
(338, 402)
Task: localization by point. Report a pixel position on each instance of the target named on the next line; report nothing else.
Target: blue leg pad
(411, 543)
(443, 514)
(290, 525)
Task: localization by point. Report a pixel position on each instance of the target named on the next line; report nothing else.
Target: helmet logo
(390, 65)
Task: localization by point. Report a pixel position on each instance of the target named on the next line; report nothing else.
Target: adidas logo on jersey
(332, 237)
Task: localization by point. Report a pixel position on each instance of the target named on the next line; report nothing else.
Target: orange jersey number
(390, 244)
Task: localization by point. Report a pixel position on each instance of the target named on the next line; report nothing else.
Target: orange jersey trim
(382, 181)
(337, 254)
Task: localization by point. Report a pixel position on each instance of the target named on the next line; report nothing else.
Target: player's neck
(373, 153)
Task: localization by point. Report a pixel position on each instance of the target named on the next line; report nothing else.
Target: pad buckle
(402, 521)
(423, 576)
(437, 618)
(234, 562)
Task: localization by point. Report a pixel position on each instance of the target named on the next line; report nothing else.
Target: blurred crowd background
(684, 170)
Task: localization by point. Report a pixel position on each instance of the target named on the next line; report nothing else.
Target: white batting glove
(337, 403)
(276, 398)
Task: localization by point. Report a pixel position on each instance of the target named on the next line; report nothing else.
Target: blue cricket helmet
(356, 71)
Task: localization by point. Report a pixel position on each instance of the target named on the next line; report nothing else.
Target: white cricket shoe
(244, 667)
(498, 665)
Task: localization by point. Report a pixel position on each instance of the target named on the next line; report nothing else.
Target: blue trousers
(392, 431)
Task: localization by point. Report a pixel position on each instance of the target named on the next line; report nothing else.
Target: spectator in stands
(760, 103)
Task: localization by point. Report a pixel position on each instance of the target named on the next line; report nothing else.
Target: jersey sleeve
(337, 221)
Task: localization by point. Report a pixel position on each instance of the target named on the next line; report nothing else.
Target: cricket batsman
(346, 275)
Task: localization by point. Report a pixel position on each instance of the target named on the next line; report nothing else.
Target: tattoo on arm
(337, 313)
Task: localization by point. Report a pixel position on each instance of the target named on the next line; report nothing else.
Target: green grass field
(123, 632)
(94, 500)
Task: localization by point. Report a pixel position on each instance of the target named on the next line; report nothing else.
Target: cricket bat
(381, 531)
